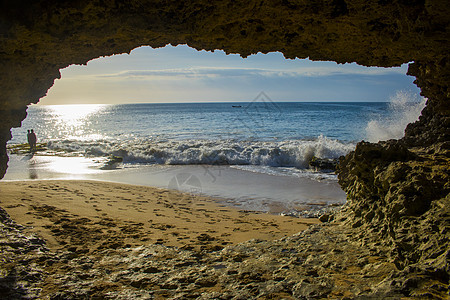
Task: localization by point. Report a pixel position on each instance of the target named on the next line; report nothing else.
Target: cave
(397, 191)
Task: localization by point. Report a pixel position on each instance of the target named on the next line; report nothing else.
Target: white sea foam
(404, 108)
(289, 172)
(291, 153)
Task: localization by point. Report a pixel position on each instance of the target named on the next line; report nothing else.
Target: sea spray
(404, 108)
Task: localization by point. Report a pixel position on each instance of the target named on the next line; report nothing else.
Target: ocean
(253, 155)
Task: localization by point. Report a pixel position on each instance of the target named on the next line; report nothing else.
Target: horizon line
(217, 102)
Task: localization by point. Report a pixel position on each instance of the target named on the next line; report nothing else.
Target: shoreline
(135, 215)
(234, 187)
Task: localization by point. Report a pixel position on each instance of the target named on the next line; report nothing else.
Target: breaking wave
(291, 153)
(404, 108)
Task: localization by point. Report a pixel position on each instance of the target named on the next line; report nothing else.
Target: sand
(119, 241)
(94, 215)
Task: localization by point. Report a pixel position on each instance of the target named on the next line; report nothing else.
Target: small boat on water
(236, 105)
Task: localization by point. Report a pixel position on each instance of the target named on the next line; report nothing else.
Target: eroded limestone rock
(398, 191)
(21, 255)
(402, 197)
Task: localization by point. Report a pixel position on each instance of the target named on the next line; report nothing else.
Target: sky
(182, 74)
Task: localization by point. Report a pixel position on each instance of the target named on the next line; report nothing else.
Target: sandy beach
(94, 215)
(233, 186)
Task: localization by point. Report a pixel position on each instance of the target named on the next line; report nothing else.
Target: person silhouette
(29, 139)
(32, 139)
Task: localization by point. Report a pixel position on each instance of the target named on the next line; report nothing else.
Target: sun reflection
(74, 114)
(71, 165)
(73, 121)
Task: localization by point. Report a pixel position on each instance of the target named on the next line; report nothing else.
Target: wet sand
(89, 216)
(236, 187)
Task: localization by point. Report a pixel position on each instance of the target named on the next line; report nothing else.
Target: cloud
(214, 72)
(184, 72)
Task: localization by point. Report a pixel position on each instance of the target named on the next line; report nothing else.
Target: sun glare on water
(74, 166)
(73, 120)
(75, 114)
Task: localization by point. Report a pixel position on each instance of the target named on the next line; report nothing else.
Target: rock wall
(397, 190)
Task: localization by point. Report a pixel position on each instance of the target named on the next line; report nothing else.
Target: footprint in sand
(14, 206)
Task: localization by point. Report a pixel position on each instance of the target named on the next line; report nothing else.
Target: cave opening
(216, 117)
(173, 74)
(395, 189)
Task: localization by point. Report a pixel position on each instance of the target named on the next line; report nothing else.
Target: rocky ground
(21, 257)
(330, 260)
